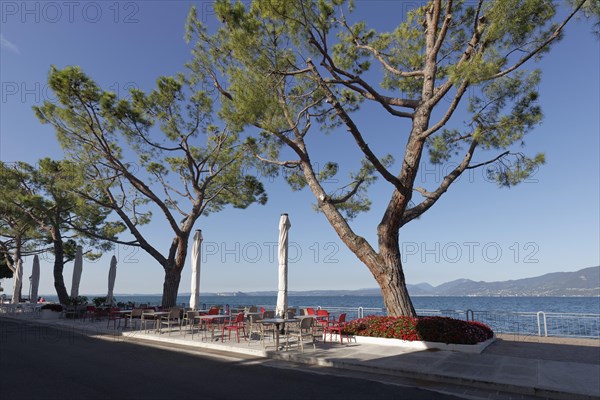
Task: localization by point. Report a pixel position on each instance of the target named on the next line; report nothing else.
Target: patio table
(210, 318)
(277, 322)
(125, 314)
(156, 317)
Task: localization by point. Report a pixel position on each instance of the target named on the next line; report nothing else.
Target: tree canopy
(43, 199)
(294, 69)
(157, 151)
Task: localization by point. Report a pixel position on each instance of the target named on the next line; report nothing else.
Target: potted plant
(51, 311)
(75, 306)
(99, 301)
(77, 301)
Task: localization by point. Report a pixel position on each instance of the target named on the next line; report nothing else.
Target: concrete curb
(422, 345)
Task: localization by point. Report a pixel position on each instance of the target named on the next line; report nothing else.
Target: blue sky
(477, 231)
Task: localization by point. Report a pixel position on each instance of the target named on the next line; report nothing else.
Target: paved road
(45, 363)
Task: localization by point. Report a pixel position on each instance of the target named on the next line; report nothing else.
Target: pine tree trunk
(386, 266)
(18, 244)
(395, 294)
(391, 278)
(174, 266)
(171, 287)
(59, 263)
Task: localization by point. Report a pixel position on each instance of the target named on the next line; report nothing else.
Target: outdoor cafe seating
(172, 318)
(236, 325)
(135, 316)
(90, 313)
(114, 315)
(321, 321)
(148, 318)
(335, 326)
(300, 331)
(189, 319)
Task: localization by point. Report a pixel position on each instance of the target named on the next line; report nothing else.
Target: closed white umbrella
(112, 276)
(17, 282)
(284, 227)
(195, 289)
(35, 279)
(77, 268)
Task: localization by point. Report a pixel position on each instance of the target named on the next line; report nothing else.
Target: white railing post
(472, 315)
(542, 314)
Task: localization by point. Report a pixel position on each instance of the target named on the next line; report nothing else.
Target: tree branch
(432, 197)
(354, 131)
(444, 28)
(493, 160)
(541, 46)
(347, 196)
(455, 101)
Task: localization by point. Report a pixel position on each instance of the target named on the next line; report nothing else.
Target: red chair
(310, 311)
(209, 323)
(336, 326)
(90, 313)
(321, 321)
(322, 317)
(262, 310)
(114, 315)
(235, 325)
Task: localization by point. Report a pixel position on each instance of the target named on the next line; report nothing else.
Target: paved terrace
(512, 367)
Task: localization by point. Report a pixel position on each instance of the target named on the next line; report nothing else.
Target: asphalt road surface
(45, 363)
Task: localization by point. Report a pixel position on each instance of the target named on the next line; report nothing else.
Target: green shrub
(53, 307)
(98, 301)
(76, 301)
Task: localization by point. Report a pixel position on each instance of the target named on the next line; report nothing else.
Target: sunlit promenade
(528, 367)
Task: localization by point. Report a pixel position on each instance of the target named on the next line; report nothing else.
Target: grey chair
(254, 326)
(173, 318)
(136, 315)
(265, 328)
(300, 331)
(148, 317)
(189, 319)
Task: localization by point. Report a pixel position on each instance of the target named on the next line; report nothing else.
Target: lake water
(586, 305)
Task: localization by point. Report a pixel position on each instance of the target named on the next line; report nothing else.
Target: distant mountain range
(585, 283)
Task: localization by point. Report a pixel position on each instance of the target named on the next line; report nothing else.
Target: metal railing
(521, 323)
(580, 325)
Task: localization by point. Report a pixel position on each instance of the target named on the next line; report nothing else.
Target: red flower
(433, 329)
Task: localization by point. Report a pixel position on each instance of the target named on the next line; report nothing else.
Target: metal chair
(336, 326)
(188, 321)
(90, 313)
(146, 318)
(235, 325)
(322, 320)
(114, 315)
(300, 331)
(173, 318)
(136, 315)
(254, 326)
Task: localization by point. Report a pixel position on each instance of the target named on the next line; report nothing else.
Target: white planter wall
(418, 345)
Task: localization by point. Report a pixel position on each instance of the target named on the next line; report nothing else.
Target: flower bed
(52, 307)
(428, 329)
(50, 311)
